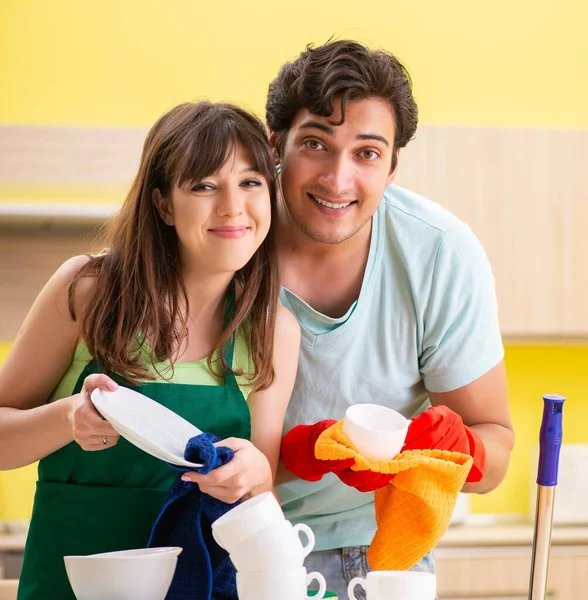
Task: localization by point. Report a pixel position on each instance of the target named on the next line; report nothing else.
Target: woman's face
(222, 220)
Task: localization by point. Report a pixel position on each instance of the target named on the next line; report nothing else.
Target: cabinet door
(568, 573)
(523, 192)
(504, 572)
(483, 573)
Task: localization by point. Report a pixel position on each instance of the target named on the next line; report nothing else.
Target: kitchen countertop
(456, 536)
(509, 535)
(12, 542)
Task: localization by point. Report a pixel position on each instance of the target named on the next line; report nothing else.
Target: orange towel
(414, 509)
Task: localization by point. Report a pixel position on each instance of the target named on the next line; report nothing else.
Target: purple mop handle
(550, 438)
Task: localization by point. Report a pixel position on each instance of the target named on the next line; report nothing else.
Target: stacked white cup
(396, 585)
(267, 551)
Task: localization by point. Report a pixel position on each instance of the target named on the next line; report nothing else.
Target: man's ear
(273, 140)
(163, 207)
(393, 174)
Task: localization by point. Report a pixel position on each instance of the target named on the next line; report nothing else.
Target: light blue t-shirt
(426, 319)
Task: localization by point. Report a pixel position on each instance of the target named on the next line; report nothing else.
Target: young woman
(183, 306)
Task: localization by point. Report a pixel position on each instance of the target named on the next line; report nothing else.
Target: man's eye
(369, 154)
(313, 145)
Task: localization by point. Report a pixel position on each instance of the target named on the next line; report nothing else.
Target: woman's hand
(248, 472)
(89, 429)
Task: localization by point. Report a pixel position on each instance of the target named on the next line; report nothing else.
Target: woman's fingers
(96, 443)
(90, 430)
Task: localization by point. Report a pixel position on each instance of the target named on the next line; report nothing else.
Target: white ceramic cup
(376, 431)
(397, 585)
(277, 547)
(247, 519)
(285, 585)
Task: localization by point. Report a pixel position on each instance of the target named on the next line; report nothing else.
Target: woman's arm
(31, 429)
(255, 463)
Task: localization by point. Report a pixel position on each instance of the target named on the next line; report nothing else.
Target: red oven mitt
(298, 457)
(440, 428)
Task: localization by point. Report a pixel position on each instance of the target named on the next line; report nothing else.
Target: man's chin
(325, 236)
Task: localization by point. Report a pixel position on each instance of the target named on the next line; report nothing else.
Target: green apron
(90, 502)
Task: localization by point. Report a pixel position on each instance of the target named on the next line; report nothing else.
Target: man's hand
(440, 428)
(299, 458)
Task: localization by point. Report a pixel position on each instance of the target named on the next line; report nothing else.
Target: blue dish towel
(204, 569)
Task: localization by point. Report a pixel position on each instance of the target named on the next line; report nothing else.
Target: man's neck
(326, 276)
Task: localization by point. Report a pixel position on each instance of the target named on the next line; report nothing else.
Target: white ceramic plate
(147, 424)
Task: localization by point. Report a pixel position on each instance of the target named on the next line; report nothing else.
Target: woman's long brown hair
(139, 293)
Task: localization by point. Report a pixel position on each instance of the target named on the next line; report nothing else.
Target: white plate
(147, 446)
(147, 424)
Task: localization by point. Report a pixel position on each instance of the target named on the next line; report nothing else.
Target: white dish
(147, 424)
(147, 446)
(147, 577)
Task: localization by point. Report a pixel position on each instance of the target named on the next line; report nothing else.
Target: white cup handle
(310, 537)
(322, 584)
(351, 587)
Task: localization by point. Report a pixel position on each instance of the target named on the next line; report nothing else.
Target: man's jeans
(340, 566)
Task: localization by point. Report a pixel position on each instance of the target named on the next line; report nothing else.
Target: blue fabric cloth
(204, 569)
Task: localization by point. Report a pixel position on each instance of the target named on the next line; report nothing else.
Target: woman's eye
(251, 183)
(313, 145)
(369, 154)
(202, 187)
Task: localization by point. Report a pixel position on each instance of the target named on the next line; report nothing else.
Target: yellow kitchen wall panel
(533, 370)
(124, 63)
(17, 488)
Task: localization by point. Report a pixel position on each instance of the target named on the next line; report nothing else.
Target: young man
(394, 294)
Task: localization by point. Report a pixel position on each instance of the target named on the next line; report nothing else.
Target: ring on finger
(105, 440)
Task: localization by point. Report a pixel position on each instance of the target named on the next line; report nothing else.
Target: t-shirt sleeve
(461, 334)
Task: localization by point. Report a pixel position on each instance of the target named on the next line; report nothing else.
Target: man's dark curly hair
(345, 70)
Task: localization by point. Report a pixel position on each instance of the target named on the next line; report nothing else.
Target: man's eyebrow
(310, 124)
(373, 136)
(317, 125)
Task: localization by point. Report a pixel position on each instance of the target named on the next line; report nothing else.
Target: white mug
(376, 431)
(275, 547)
(285, 585)
(246, 519)
(396, 585)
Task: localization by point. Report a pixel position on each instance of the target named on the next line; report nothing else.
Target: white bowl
(147, 577)
(163, 551)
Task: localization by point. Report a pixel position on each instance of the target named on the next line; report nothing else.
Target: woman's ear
(163, 207)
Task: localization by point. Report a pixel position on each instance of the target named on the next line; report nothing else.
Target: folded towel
(413, 511)
(204, 569)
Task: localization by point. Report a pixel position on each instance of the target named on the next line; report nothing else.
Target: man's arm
(483, 406)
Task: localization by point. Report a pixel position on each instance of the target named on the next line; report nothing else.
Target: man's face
(333, 177)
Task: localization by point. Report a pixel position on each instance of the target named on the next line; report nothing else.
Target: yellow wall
(16, 487)
(535, 370)
(124, 63)
(532, 372)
